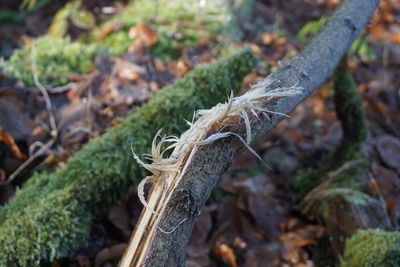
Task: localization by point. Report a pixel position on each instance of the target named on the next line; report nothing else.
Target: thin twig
(53, 125)
(43, 90)
(27, 162)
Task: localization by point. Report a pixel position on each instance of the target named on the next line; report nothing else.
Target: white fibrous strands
(207, 129)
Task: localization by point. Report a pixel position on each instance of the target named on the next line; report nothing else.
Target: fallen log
(50, 216)
(183, 182)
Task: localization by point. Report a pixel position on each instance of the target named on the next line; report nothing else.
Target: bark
(307, 70)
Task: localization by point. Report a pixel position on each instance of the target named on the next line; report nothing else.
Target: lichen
(53, 58)
(101, 172)
(372, 248)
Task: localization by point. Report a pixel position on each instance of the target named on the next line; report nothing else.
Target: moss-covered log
(373, 247)
(350, 112)
(50, 216)
(339, 201)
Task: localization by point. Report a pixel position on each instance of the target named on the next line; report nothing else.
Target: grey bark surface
(307, 70)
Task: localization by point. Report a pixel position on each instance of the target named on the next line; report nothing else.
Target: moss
(57, 57)
(372, 248)
(350, 112)
(214, 17)
(54, 58)
(60, 205)
(311, 28)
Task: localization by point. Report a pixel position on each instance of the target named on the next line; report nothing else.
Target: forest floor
(251, 218)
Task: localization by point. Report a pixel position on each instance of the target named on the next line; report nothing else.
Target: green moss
(350, 112)
(360, 46)
(54, 58)
(311, 28)
(177, 23)
(305, 180)
(372, 248)
(60, 205)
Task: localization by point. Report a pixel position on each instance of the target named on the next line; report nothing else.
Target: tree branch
(165, 244)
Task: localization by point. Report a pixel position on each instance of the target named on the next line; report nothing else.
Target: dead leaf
(119, 216)
(239, 243)
(180, 67)
(332, 3)
(82, 261)
(129, 74)
(267, 38)
(256, 49)
(106, 30)
(389, 150)
(395, 38)
(154, 86)
(390, 203)
(9, 140)
(109, 253)
(226, 253)
(304, 242)
(144, 37)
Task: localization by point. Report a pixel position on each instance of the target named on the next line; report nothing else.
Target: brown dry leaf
(109, 253)
(376, 31)
(239, 243)
(159, 65)
(56, 159)
(332, 3)
(252, 78)
(389, 151)
(292, 255)
(256, 49)
(395, 38)
(304, 242)
(386, 182)
(226, 253)
(154, 86)
(290, 225)
(129, 74)
(144, 37)
(390, 203)
(180, 67)
(307, 264)
(383, 110)
(299, 237)
(106, 30)
(119, 217)
(9, 140)
(267, 38)
(204, 41)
